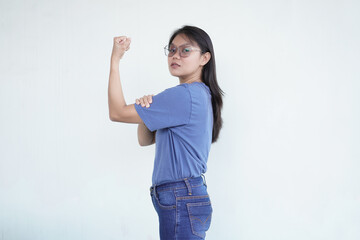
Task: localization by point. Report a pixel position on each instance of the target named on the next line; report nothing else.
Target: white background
(286, 165)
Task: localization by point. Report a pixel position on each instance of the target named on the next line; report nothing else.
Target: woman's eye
(186, 50)
(172, 50)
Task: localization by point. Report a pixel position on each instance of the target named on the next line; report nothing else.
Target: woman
(183, 121)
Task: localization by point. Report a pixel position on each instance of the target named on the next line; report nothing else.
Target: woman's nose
(176, 55)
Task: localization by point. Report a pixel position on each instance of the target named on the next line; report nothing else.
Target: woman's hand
(121, 45)
(145, 100)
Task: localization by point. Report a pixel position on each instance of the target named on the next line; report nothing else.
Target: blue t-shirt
(183, 118)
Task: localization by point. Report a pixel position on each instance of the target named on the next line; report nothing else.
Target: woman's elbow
(143, 143)
(114, 117)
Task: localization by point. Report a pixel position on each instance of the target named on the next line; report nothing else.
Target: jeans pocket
(166, 199)
(200, 217)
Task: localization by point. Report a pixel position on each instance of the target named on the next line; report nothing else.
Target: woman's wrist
(115, 61)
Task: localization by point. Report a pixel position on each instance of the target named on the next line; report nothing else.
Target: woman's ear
(205, 58)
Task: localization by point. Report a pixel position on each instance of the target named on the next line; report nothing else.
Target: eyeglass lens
(184, 51)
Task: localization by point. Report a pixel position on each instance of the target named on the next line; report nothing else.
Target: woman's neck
(190, 79)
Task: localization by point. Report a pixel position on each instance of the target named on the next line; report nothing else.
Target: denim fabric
(184, 209)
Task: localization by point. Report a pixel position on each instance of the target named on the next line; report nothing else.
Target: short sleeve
(170, 108)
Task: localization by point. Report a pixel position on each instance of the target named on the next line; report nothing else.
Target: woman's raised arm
(119, 111)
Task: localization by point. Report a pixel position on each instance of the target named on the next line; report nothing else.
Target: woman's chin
(174, 74)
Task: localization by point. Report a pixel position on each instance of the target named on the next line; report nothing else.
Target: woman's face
(185, 67)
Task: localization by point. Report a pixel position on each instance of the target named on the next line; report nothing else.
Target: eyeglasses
(184, 50)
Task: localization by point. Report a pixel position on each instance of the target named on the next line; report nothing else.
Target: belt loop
(154, 189)
(203, 176)
(188, 185)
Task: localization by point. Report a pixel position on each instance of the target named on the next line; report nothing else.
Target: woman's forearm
(145, 136)
(116, 98)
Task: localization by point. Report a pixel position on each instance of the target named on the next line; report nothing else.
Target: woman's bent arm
(115, 94)
(119, 111)
(145, 136)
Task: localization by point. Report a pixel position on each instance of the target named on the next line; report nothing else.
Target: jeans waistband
(183, 183)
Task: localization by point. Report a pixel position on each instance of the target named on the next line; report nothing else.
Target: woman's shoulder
(194, 85)
(198, 88)
(194, 89)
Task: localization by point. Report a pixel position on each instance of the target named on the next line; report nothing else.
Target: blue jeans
(184, 209)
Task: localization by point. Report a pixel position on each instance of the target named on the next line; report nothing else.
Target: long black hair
(208, 75)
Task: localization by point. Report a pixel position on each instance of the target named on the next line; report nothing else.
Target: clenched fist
(121, 45)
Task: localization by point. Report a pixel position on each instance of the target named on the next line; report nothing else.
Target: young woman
(183, 121)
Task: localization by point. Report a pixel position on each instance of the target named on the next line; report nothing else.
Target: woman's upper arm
(127, 114)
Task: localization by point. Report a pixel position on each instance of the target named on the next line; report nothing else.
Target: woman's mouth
(175, 65)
